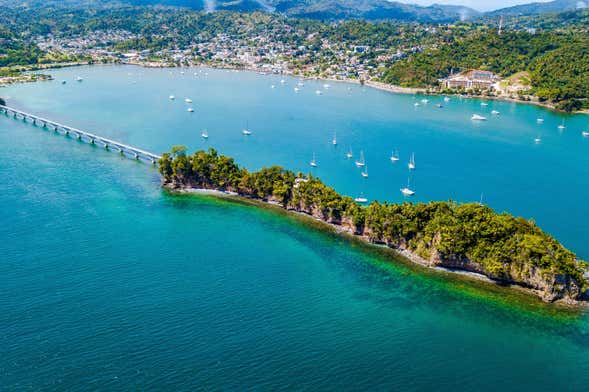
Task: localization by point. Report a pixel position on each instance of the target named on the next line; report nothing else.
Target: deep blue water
(108, 283)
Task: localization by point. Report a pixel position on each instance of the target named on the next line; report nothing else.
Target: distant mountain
(332, 9)
(316, 9)
(540, 8)
(371, 9)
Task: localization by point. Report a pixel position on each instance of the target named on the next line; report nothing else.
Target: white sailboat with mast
(361, 163)
(411, 164)
(395, 156)
(246, 131)
(313, 162)
(407, 191)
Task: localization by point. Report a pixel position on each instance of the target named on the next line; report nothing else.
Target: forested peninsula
(470, 237)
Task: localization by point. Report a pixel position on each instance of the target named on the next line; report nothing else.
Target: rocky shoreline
(460, 267)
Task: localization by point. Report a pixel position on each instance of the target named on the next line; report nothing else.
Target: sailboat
(446, 99)
(561, 126)
(349, 153)
(188, 100)
(79, 79)
(334, 140)
(407, 191)
(585, 133)
(172, 97)
(539, 120)
(361, 162)
(478, 117)
(495, 112)
(190, 110)
(395, 156)
(365, 172)
(246, 130)
(204, 134)
(361, 199)
(537, 140)
(313, 163)
(411, 164)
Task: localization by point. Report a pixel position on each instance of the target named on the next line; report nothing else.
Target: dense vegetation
(557, 62)
(467, 236)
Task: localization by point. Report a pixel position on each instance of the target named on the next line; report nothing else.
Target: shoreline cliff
(462, 237)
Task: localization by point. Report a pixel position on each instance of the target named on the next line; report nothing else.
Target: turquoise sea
(108, 283)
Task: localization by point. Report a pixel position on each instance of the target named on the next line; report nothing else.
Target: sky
(481, 5)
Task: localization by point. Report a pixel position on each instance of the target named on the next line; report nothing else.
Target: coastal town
(309, 56)
(264, 53)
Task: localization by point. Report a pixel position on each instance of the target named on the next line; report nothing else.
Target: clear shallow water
(106, 282)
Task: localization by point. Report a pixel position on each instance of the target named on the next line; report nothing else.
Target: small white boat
(539, 120)
(282, 81)
(296, 89)
(300, 84)
(537, 140)
(495, 112)
(416, 104)
(411, 164)
(361, 163)
(477, 117)
(365, 172)
(407, 191)
(313, 163)
(562, 126)
(273, 86)
(79, 79)
(334, 140)
(63, 82)
(318, 92)
(349, 154)
(439, 105)
(246, 131)
(190, 110)
(361, 199)
(395, 156)
(424, 101)
(326, 86)
(204, 134)
(446, 99)
(484, 104)
(188, 100)
(585, 133)
(172, 97)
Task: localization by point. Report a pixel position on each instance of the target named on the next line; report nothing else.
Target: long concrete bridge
(108, 144)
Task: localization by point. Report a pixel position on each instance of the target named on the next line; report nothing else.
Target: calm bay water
(107, 282)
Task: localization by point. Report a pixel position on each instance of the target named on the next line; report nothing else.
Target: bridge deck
(137, 152)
